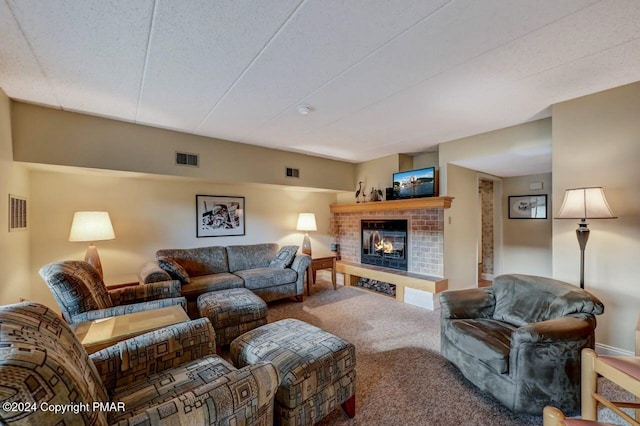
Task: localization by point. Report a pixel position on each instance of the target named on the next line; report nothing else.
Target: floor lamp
(306, 222)
(90, 227)
(583, 204)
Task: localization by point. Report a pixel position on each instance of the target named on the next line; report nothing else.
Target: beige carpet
(401, 377)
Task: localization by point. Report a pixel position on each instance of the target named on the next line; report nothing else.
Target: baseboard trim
(602, 349)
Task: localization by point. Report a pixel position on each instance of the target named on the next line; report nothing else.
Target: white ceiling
(381, 76)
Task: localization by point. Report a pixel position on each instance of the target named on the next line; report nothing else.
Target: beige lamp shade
(585, 203)
(90, 227)
(306, 222)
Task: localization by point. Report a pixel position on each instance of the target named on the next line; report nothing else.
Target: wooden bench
(353, 271)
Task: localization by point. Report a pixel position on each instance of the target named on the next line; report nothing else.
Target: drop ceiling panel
(92, 52)
(460, 32)
(321, 40)
(20, 74)
(198, 50)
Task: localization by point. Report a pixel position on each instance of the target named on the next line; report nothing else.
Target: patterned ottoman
(232, 312)
(317, 369)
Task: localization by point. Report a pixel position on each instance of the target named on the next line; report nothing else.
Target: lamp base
(92, 258)
(306, 245)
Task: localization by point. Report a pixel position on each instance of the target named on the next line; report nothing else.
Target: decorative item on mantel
(358, 192)
(376, 194)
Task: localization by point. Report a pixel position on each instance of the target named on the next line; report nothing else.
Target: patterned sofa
(265, 269)
(520, 339)
(82, 296)
(170, 376)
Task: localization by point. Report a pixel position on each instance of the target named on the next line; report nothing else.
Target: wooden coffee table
(101, 333)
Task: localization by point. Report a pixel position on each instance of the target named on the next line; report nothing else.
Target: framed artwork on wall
(219, 216)
(528, 206)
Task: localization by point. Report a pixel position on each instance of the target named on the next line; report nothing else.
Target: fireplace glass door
(384, 243)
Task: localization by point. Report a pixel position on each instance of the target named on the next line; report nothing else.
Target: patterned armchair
(169, 376)
(82, 296)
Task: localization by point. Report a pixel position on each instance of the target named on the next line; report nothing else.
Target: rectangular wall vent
(186, 159)
(293, 172)
(17, 213)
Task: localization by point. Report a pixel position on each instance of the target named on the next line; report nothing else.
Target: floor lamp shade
(306, 222)
(583, 204)
(90, 227)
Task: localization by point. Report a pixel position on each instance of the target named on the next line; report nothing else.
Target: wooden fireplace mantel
(408, 204)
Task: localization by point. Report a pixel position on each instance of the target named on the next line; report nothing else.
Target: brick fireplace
(425, 228)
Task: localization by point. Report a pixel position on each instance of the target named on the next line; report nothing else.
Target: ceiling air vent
(186, 159)
(293, 172)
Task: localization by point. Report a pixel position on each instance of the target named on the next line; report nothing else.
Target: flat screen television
(415, 183)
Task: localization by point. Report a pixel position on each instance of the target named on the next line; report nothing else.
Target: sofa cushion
(284, 258)
(266, 277)
(250, 256)
(212, 282)
(199, 261)
(487, 340)
(525, 299)
(174, 269)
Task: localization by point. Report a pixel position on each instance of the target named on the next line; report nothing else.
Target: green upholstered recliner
(169, 376)
(520, 340)
(82, 295)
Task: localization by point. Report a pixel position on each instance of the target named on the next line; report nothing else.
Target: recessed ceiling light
(304, 109)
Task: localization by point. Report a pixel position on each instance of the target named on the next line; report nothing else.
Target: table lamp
(306, 222)
(90, 227)
(583, 204)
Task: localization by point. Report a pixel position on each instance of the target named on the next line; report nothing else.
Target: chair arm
(218, 402)
(568, 328)
(145, 292)
(151, 272)
(132, 360)
(470, 303)
(127, 309)
(300, 264)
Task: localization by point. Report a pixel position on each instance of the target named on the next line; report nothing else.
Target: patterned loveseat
(82, 295)
(265, 269)
(170, 376)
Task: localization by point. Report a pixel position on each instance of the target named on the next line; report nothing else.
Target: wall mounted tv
(415, 183)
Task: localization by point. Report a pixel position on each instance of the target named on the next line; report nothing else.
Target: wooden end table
(101, 333)
(318, 263)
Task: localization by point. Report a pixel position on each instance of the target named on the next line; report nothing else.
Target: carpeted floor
(401, 377)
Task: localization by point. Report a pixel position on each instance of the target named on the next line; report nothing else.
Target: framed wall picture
(528, 207)
(219, 216)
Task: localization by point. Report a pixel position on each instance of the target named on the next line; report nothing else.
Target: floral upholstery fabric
(232, 312)
(42, 361)
(82, 295)
(174, 269)
(169, 376)
(317, 369)
(250, 256)
(284, 258)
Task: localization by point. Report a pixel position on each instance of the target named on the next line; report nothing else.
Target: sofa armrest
(151, 272)
(127, 309)
(145, 292)
(569, 328)
(300, 264)
(210, 403)
(470, 303)
(132, 360)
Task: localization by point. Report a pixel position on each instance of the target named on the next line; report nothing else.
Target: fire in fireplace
(384, 243)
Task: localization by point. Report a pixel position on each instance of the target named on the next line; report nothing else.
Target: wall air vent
(17, 213)
(293, 172)
(186, 159)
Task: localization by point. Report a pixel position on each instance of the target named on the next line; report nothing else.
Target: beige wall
(596, 142)
(427, 159)
(527, 243)
(461, 228)
(49, 136)
(149, 213)
(14, 246)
